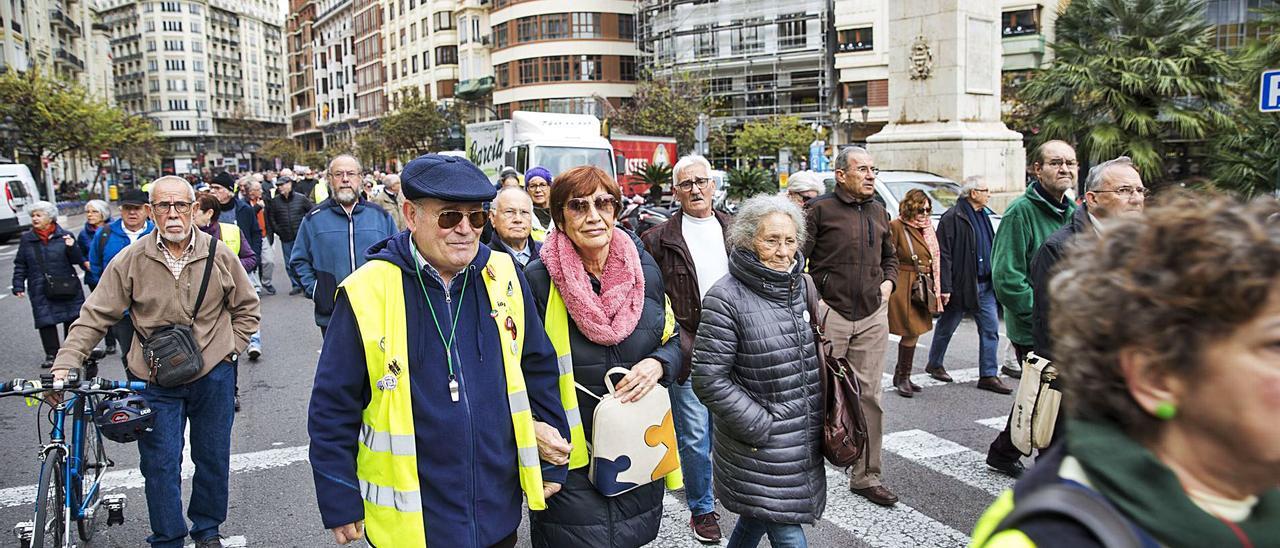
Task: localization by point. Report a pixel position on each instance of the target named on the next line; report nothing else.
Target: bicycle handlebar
(24, 387)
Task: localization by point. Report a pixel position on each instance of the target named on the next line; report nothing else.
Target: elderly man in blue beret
(436, 408)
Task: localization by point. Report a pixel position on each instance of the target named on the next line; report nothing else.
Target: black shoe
(215, 542)
(1015, 373)
(237, 403)
(1012, 469)
(269, 289)
(295, 291)
(111, 349)
(48, 362)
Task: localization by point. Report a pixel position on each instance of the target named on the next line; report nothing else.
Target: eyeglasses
(688, 184)
(451, 218)
(1057, 163)
(604, 204)
(164, 207)
(1128, 192)
(513, 213)
(344, 174)
(774, 243)
(536, 185)
(981, 190)
(867, 170)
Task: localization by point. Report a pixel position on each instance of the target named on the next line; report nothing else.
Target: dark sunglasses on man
(604, 203)
(451, 218)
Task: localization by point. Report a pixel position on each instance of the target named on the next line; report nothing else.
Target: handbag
(632, 444)
(1035, 408)
(171, 353)
(57, 288)
(922, 294)
(844, 425)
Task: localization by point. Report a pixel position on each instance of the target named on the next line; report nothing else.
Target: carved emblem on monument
(921, 59)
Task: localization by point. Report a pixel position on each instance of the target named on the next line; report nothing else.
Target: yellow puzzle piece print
(664, 434)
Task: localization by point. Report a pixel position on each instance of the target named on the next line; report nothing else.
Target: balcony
(475, 88)
(127, 58)
(67, 57)
(59, 18)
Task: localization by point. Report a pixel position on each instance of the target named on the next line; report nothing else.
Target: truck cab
(557, 142)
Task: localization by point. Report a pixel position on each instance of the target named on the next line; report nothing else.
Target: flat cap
(448, 178)
(134, 196)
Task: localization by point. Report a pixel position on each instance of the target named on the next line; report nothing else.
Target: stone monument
(944, 96)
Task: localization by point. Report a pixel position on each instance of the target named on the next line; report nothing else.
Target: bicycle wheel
(51, 518)
(93, 463)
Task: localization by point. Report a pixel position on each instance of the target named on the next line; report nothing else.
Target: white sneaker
(254, 353)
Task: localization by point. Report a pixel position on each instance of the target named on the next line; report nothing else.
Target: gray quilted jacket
(755, 367)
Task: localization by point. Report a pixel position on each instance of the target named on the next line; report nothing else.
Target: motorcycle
(638, 215)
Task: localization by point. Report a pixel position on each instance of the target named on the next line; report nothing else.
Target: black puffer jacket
(284, 214)
(578, 515)
(755, 367)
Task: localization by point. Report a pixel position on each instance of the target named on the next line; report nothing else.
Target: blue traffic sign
(1269, 98)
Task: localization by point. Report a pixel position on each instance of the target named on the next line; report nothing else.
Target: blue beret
(537, 171)
(448, 178)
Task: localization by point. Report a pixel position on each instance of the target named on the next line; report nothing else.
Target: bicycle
(69, 488)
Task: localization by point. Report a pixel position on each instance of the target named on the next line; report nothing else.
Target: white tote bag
(1035, 408)
(632, 444)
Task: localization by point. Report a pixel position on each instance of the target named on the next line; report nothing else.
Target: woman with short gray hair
(755, 367)
(97, 214)
(44, 269)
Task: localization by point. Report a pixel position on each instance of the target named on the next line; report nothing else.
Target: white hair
(1094, 180)
(511, 190)
(102, 207)
(842, 157)
(359, 167)
(805, 181)
(155, 185)
(687, 161)
(970, 183)
(746, 223)
(49, 210)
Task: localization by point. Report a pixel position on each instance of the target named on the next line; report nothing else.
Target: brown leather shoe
(993, 384)
(706, 527)
(878, 494)
(937, 372)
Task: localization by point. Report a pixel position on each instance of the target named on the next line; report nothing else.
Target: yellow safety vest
(386, 462)
(538, 234)
(320, 193)
(983, 536)
(557, 326)
(231, 237)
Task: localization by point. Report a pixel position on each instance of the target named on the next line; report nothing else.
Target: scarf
(1148, 492)
(45, 233)
(608, 318)
(931, 243)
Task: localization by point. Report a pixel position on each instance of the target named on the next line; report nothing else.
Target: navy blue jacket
(60, 260)
(247, 219)
(330, 245)
(534, 247)
(86, 237)
(466, 452)
(103, 248)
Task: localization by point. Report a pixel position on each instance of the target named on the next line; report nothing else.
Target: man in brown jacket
(853, 262)
(390, 199)
(158, 278)
(690, 250)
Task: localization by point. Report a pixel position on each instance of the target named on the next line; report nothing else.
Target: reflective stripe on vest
(386, 461)
(557, 325)
(231, 237)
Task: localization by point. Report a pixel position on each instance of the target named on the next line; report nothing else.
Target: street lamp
(849, 123)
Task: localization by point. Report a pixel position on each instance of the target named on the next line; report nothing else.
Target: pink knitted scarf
(610, 317)
(931, 242)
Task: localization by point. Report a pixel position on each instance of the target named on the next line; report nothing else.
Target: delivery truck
(639, 152)
(557, 142)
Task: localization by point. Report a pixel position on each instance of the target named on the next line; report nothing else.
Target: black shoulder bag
(57, 288)
(171, 353)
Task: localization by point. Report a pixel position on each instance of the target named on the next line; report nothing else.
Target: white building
(334, 68)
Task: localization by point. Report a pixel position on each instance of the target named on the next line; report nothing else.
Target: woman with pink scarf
(613, 293)
(918, 255)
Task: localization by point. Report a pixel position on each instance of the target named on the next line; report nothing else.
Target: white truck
(557, 142)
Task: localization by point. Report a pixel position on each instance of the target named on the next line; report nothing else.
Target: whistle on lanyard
(511, 328)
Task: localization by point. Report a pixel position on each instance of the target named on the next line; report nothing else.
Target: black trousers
(49, 338)
(124, 336)
(1002, 449)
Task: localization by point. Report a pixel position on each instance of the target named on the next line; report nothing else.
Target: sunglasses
(451, 218)
(604, 204)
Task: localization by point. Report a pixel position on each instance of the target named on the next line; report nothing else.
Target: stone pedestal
(944, 95)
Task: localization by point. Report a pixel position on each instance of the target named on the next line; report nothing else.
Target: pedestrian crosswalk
(867, 524)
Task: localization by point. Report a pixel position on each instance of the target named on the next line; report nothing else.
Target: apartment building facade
(299, 35)
(422, 50)
(334, 65)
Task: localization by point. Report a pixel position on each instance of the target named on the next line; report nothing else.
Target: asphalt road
(934, 447)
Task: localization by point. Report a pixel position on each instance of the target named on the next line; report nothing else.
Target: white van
(19, 191)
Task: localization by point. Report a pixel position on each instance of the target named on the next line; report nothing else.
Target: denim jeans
(748, 532)
(693, 433)
(988, 330)
(207, 403)
(288, 265)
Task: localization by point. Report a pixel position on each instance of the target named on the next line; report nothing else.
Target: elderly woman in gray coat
(755, 367)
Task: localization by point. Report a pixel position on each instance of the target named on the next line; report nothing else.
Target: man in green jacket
(1026, 224)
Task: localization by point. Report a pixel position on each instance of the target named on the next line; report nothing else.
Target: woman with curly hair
(1167, 333)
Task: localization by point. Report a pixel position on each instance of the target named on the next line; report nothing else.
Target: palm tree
(1130, 77)
(1246, 158)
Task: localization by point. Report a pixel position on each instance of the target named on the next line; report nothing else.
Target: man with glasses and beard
(333, 237)
(435, 364)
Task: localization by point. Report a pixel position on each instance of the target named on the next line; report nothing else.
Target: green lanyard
(448, 344)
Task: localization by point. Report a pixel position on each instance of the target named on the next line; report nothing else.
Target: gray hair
(1094, 180)
(687, 161)
(347, 156)
(155, 185)
(805, 181)
(842, 157)
(742, 233)
(970, 183)
(49, 210)
(102, 207)
(510, 190)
